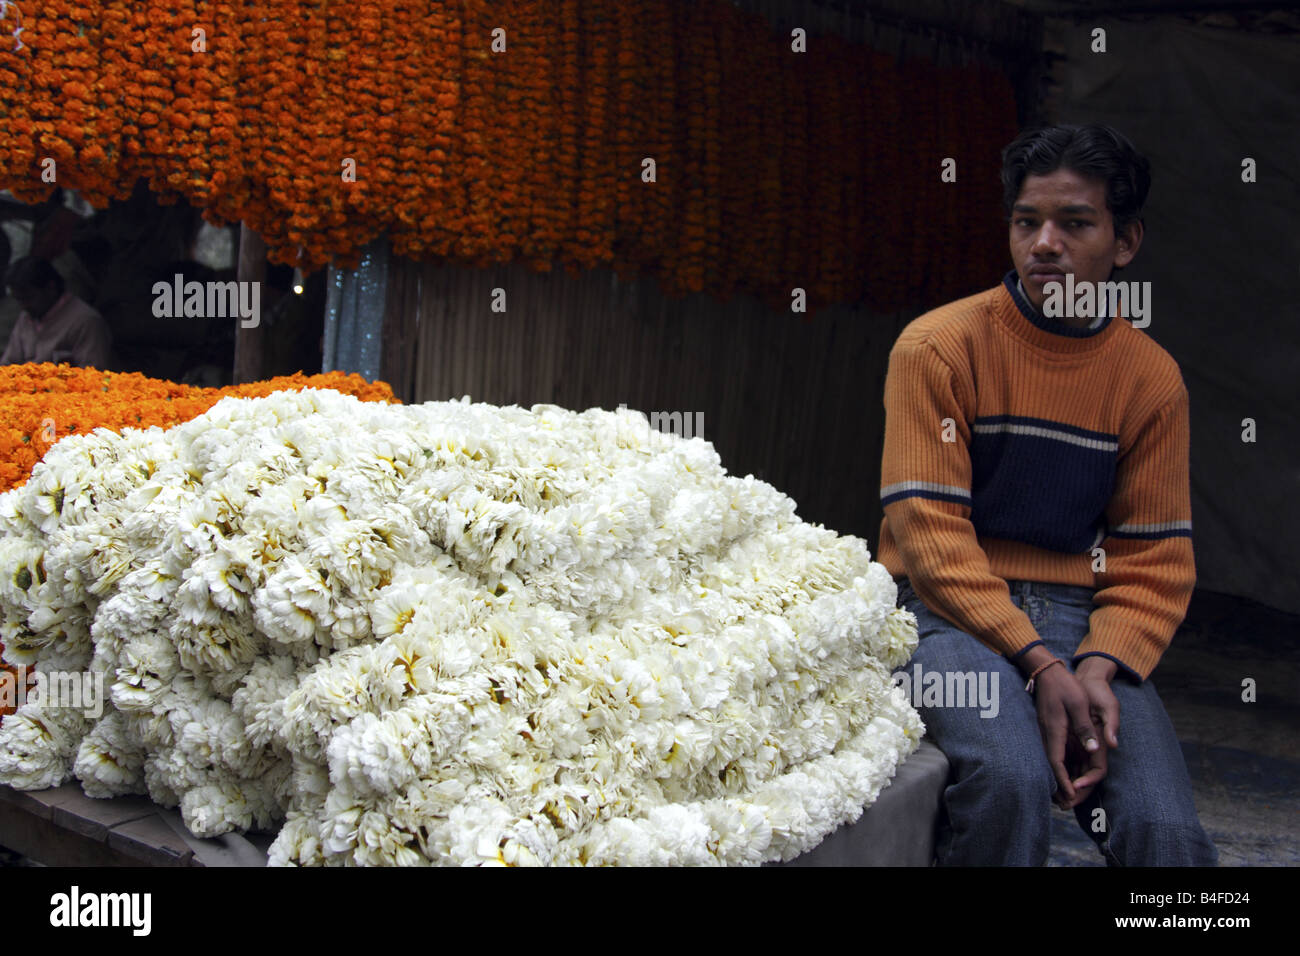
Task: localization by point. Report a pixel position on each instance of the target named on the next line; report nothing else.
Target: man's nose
(1047, 241)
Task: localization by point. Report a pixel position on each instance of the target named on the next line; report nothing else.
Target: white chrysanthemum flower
(48, 490)
(379, 843)
(259, 701)
(298, 843)
(455, 633)
(217, 807)
(212, 648)
(54, 639)
(213, 736)
(21, 568)
(478, 828)
(168, 775)
(376, 755)
(294, 600)
(110, 761)
(146, 667)
(152, 728)
(39, 744)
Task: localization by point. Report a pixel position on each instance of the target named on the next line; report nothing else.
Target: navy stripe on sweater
(923, 489)
(1042, 482)
(1039, 481)
(1034, 480)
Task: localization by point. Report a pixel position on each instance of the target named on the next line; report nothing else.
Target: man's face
(36, 301)
(1060, 224)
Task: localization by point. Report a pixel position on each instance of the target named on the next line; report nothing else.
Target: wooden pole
(250, 343)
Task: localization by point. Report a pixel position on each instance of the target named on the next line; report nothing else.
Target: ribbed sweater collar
(1024, 321)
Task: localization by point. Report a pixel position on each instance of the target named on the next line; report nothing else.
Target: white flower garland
(451, 633)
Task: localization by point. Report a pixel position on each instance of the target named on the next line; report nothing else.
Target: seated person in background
(9, 308)
(55, 325)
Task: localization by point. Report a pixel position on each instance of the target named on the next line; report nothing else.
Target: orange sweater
(1014, 446)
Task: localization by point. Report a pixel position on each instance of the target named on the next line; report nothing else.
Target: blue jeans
(998, 802)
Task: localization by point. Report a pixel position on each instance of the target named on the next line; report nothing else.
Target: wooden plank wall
(795, 402)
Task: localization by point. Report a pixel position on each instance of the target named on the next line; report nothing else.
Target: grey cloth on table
(227, 849)
(899, 828)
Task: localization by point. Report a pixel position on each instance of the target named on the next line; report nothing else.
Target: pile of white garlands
(450, 633)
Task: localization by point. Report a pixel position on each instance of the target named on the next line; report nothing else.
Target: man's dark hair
(33, 272)
(1098, 152)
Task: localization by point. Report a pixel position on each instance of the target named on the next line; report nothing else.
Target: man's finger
(1110, 728)
(1079, 797)
(1096, 772)
(1084, 729)
(1055, 734)
(1090, 779)
(1107, 717)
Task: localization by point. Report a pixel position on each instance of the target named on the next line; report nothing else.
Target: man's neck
(1021, 286)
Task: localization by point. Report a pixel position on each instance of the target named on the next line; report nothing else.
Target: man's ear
(1127, 243)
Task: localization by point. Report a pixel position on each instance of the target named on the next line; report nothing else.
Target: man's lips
(1046, 274)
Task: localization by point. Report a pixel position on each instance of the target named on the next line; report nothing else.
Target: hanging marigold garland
(719, 139)
(539, 242)
(566, 105)
(658, 153)
(628, 198)
(767, 163)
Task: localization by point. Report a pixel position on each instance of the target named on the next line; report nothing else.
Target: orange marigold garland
(224, 141)
(533, 153)
(739, 152)
(627, 130)
(598, 177)
(529, 45)
(506, 135)
(15, 102)
(657, 102)
(566, 105)
(437, 227)
(414, 169)
(478, 70)
(711, 173)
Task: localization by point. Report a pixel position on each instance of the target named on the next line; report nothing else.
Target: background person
(55, 325)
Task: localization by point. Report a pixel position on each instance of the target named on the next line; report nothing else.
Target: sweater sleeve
(926, 496)
(1150, 570)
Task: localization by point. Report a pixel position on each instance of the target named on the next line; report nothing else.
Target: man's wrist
(1096, 666)
(1034, 658)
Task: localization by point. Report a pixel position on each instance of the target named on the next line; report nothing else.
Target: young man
(1037, 513)
(55, 325)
